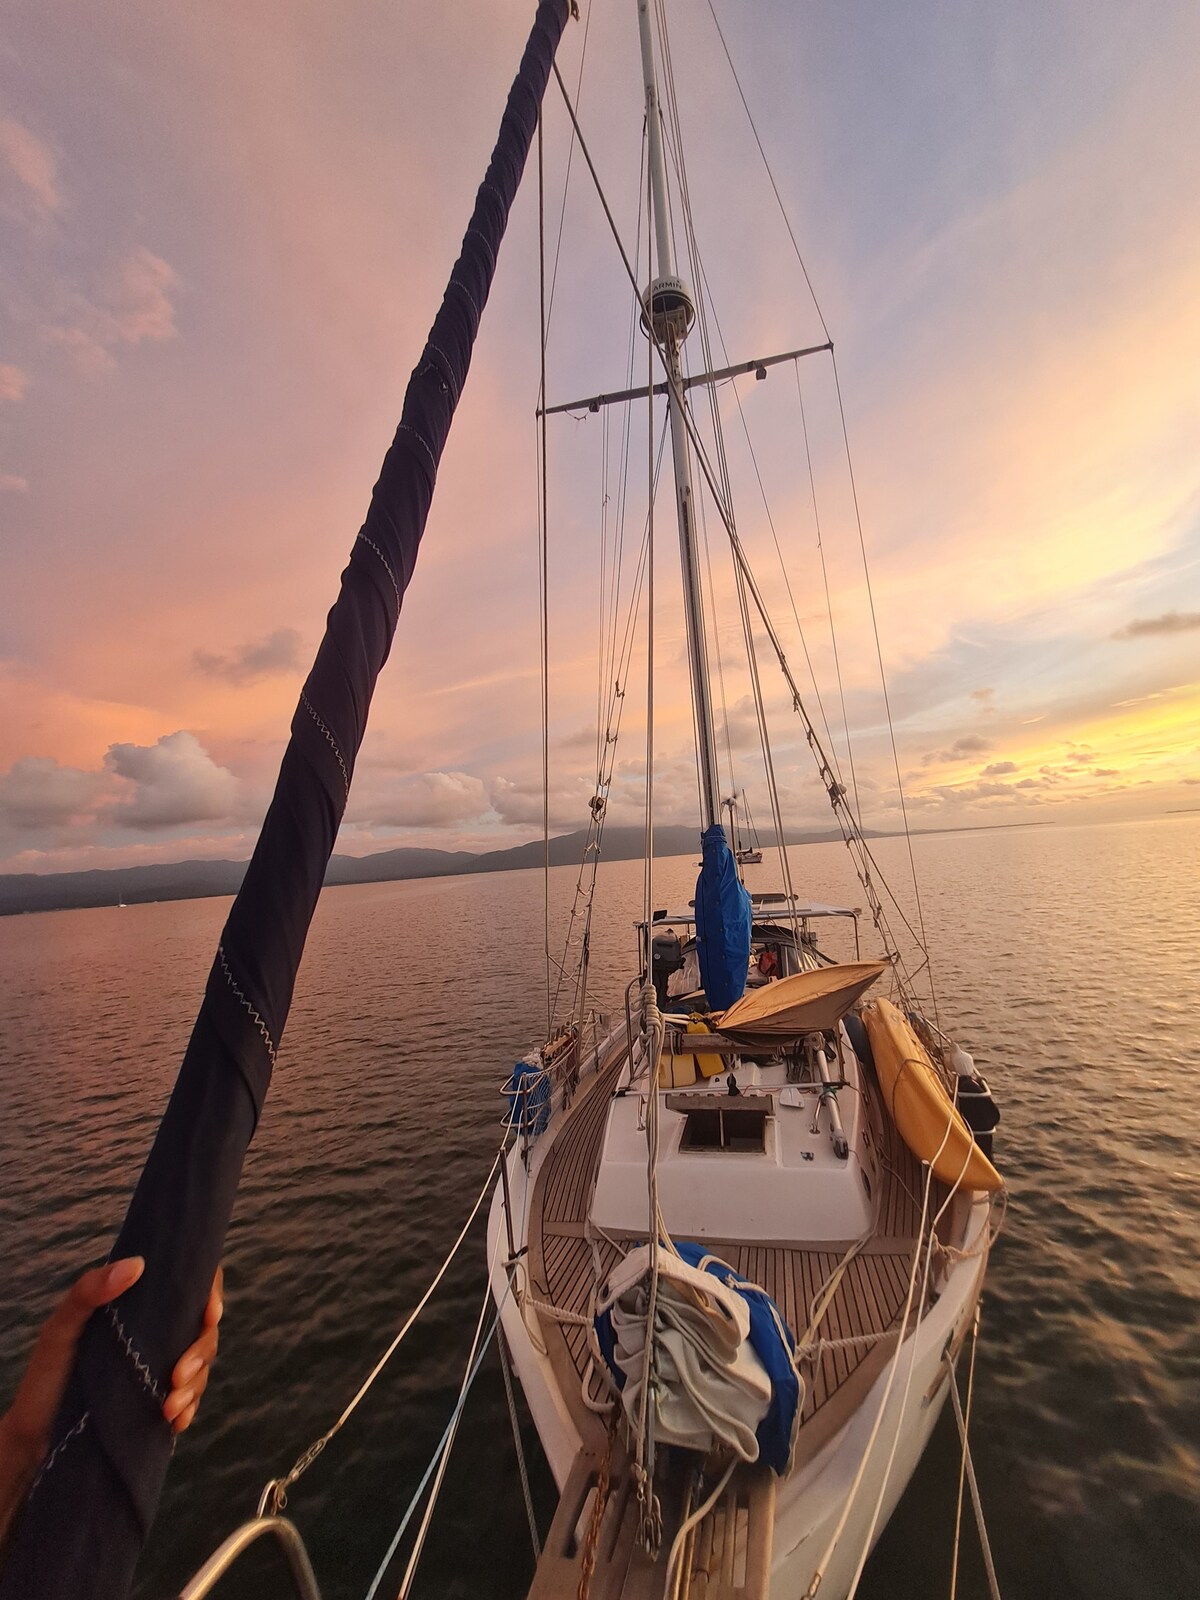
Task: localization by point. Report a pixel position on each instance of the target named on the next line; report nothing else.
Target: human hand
(190, 1377)
(35, 1406)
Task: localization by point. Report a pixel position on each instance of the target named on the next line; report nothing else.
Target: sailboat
(740, 1238)
(739, 1226)
(746, 855)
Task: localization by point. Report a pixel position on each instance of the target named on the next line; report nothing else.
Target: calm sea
(1066, 961)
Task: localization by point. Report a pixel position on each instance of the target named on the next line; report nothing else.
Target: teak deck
(868, 1300)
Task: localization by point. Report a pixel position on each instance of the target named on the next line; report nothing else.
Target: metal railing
(304, 1581)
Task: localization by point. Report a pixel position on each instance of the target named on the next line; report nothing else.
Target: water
(1065, 961)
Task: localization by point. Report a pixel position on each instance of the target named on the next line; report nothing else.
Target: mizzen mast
(668, 311)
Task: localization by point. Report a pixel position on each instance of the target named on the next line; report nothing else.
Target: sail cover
(86, 1518)
(722, 922)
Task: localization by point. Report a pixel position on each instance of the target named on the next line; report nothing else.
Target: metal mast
(669, 312)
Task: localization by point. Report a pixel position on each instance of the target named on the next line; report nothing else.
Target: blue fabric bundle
(773, 1343)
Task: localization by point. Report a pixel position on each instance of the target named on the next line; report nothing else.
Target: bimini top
(768, 908)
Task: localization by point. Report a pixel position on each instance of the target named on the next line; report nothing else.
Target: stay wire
(771, 176)
(862, 545)
(543, 575)
(837, 663)
(854, 838)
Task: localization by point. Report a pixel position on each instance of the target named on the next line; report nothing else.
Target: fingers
(93, 1289)
(196, 1358)
(42, 1387)
(190, 1377)
(215, 1308)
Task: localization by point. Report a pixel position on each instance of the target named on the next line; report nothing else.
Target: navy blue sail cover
(86, 1518)
(722, 922)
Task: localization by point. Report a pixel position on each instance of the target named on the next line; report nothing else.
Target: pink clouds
(13, 382)
(28, 171)
(132, 303)
(175, 781)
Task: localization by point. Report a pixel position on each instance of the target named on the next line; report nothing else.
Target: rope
(969, 1465)
(695, 1519)
(273, 1499)
(439, 1454)
(505, 1368)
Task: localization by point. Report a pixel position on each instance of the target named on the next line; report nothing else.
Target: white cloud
(425, 800)
(37, 793)
(133, 304)
(175, 781)
(12, 483)
(28, 175)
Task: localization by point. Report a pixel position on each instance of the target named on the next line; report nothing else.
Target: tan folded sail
(807, 1002)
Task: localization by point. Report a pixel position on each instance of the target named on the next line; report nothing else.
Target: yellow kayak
(924, 1114)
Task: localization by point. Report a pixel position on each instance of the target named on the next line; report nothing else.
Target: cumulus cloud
(278, 652)
(175, 781)
(971, 744)
(37, 793)
(11, 483)
(520, 802)
(998, 769)
(132, 304)
(1169, 622)
(13, 382)
(428, 800)
(28, 174)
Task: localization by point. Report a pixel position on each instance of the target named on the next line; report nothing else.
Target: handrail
(304, 1581)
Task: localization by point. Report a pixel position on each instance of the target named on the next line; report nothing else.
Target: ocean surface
(1066, 961)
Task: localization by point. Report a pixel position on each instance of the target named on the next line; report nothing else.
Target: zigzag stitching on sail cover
(258, 1021)
(139, 1361)
(384, 562)
(457, 283)
(57, 1451)
(329, 739)
(405, 428)
(484, 241)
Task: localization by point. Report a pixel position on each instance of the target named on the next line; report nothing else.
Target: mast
(669, 312)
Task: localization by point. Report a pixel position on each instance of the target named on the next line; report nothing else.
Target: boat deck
(868, 1300)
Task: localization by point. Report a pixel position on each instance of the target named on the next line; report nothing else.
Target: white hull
(810, 1502)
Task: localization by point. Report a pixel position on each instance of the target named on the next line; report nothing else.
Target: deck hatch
(735, 1128)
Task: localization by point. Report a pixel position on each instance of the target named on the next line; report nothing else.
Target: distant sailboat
(746, 855)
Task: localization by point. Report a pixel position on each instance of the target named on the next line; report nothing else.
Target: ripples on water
(1066, 962)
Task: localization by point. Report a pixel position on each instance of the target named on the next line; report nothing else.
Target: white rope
(694, 1520)
(506, 1369)
(274, 1495)
(984, 1541)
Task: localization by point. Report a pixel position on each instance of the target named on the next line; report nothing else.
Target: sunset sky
(225, 228)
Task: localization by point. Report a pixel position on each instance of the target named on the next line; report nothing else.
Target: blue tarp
(774, 1344)
(722, 922)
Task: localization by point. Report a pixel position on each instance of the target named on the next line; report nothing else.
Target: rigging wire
(862, 545)
(562, 214)
(543, 573)
(868, 868)
(767, 165)
(837, 663)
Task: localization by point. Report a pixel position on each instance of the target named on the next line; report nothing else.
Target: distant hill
(197, 880)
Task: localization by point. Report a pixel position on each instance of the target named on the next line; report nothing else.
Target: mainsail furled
(88, 1513)
(723, 918)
